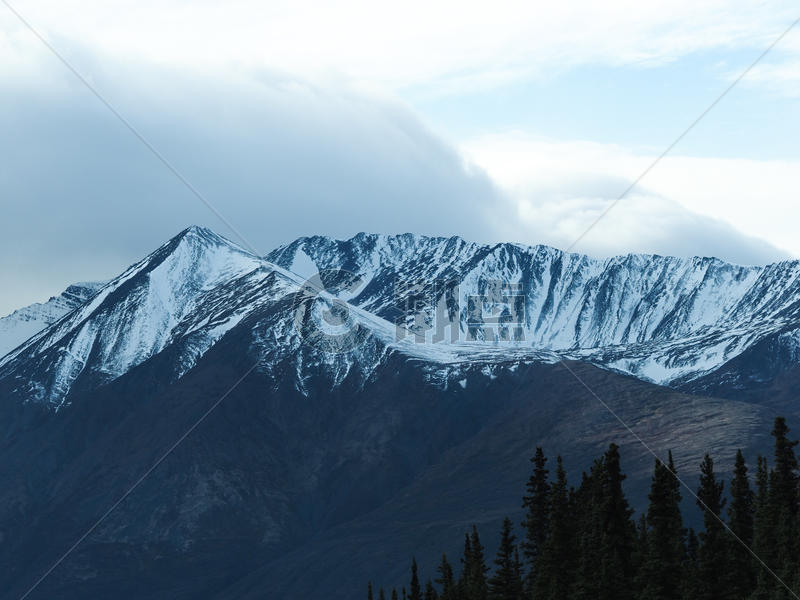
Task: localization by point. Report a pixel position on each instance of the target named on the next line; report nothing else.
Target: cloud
(277, 156)
(684, 206)
(280, 156)
(448, 45)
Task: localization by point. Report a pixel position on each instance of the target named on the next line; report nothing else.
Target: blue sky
(517, 121)
(634, 106)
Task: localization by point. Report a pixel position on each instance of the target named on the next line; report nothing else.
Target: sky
(509, 121)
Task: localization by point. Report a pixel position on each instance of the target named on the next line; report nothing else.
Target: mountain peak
(203, 236)
(132, 317)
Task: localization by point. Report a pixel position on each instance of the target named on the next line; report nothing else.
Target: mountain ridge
(336, 424)
(668, 320)
(25, 322)
(569, 319)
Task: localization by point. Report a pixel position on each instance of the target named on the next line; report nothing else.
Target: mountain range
(363, 395)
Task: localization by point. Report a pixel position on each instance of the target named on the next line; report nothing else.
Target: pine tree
(477, 587)
(430, 592)
(618, 534)
(640, 552)
(537, 510)
(692, 546)
(741, 574)
(518, 574)
(662, 568)
(446, 580)
(712, 554)
(472, 582)
(691, 572)
(783, 502)
(776, 516)
(554, 564)
(591, 549)
(381, 594)
(607, 540)
(587, 517)
(466, 565)
(506, 584)
(783, 484)
(763, 533)
(415, 589)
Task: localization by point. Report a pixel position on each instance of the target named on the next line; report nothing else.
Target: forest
(584, 543)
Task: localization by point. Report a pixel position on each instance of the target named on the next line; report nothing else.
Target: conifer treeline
(584, 543)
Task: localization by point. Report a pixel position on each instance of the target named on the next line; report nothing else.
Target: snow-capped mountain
(664, 319)
(30, 320)
(441, 300)
(128, 320)
(187, 295)
(345, 425)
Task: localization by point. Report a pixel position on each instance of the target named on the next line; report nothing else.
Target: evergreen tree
(506, 584)
(662, 568)
(415, 589)
(741, 574)
(518, 574)
(691, 578)
(776, 517)
(692, 546)
(641, 544)
(430, 592)
(381, 594)
(554, 564)
(446, 580)
(783, 483)
(763, 544)
(477, 587)
(588, 524)
(712, 554)
(536, 503)
(618, 533)
(607, 540)
(466, 565)
(472, 583)
(783, 503)
(591, 549)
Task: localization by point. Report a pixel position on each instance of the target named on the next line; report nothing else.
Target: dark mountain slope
(331, 462)
(481, 480)
(292, 494)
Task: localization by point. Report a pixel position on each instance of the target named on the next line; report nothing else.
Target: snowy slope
(130, 319)
(660, 318)
(184, 297)
(664, 319)
(30, 320)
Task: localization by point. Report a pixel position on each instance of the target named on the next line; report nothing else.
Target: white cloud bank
(442, 45)
(684, 205)
(281, 157)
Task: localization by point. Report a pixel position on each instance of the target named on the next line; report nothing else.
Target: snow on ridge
(131, 317)
(581, 305)
(659, 318)
(26, 322)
